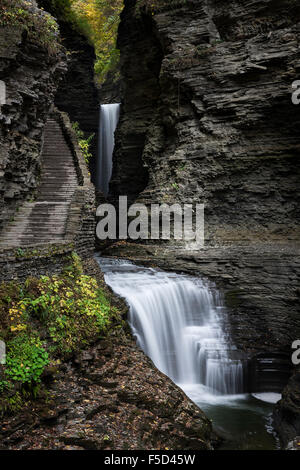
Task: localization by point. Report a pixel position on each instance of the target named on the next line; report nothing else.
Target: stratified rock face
(287, 413)
(207, 86)
(31, 76)
(77, 94)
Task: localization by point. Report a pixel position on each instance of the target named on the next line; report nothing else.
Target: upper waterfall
(109, 117)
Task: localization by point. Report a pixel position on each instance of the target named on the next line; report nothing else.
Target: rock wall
(207, 110)
(77, 94)
(141, 57)
(31, 74)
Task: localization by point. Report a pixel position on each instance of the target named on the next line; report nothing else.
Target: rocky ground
(110, 397)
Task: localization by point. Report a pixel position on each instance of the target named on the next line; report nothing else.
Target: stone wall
(82, 214)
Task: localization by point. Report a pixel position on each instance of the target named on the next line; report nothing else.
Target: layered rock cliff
(207, 113)
(139, 407)
(77, 94)
(31, 70)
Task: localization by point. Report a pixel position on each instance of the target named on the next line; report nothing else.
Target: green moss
(50, 250)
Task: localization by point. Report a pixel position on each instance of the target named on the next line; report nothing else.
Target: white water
(176, 320)
(268, 397)
(109, 117)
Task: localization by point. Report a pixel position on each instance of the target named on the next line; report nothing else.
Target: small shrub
(26, 359)
(46, 318)
(41, 27)
(84, 144)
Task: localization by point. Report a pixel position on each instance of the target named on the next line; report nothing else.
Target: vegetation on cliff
(41, 27)
(98, 20)
(84, 144)
(44, 321)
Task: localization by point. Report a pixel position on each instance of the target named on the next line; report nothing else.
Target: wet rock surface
(111, 397)
(287, 414)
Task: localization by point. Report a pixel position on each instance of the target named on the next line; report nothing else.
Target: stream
(179, 321)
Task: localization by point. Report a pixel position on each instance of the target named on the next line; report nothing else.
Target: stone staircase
(45, 219)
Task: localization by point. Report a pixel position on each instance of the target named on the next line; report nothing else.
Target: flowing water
(180, 323)
(109, 117)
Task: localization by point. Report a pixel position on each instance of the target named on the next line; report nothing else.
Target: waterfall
(109, 117)
(177, 321)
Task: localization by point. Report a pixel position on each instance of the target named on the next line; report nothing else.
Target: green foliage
(41, 27)
(26, 359)
(61, 9)
(107, 63)
(45, 319)
(83, 143)
(98, 20)
(73, 310)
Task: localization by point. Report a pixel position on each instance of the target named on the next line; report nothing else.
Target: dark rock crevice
(140, 95)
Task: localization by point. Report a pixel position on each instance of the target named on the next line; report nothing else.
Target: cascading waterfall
(109, 117)
(176, 320)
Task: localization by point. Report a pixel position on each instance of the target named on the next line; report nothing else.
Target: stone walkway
(44, 220)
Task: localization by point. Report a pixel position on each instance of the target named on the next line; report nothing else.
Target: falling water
(109, 116)
(176, 320)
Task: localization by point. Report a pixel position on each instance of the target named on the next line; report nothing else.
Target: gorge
(179, 321)
(205, 116)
